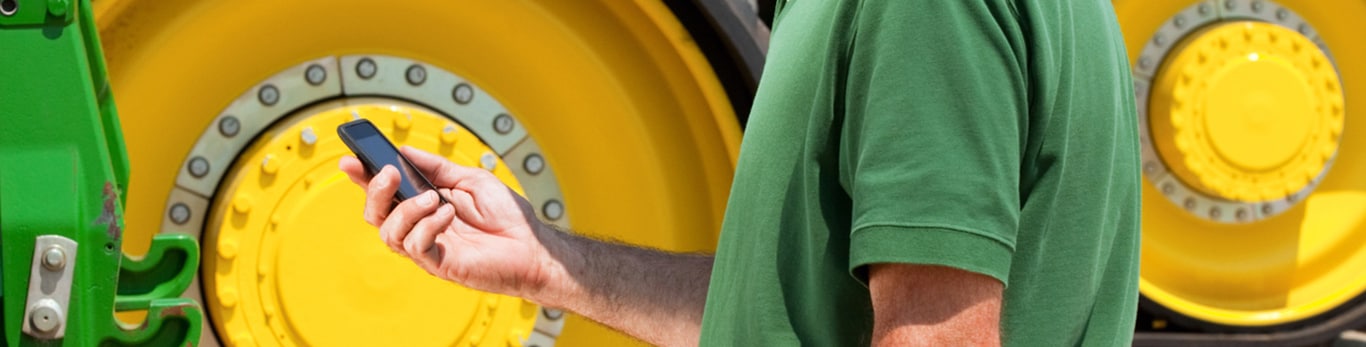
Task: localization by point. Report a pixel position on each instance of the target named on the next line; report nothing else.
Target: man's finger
(354, 170)
(420, 239)
(465, 208)
(404, 217)
(442, 172)
(379, 195)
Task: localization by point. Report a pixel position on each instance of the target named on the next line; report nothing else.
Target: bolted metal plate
(49, 287)
(254, 110)
(446, 92)
(541, 187)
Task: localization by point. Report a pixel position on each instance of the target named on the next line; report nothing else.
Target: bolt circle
(366, 68)
(462, 93)
(229, 126)
(553, 209)
(416, 75)
(179, 213)
(268, 95)
(315, 74)
(1230, 4)
(533, 164)
(54, 258)
(503, 124)
(198, 167)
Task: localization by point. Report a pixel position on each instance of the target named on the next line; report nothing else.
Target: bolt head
(229, 126)
(366, 68)
(533, 164)
(553, 209)
(462, 93)
(46, 319)
(416, 75)
(315, 74)
(180, 213)
(488, 161)
(54, 258)
(308, 136)
(268, 95)
(58, 7)
(503, 124)
(198, 167)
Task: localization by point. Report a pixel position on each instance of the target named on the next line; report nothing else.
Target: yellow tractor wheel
(1254, 205)
(606, 114)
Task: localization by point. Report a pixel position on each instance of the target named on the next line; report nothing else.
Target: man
(914, 172)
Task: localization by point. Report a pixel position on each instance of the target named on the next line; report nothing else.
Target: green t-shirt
(997, 137)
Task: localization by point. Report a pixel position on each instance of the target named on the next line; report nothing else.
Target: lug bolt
(533, 164)
(54, 258)
(503, 124)
(269, 95)
(198, 166)
(448, 134)
(416, 75)
(229, 126)
(270, 165)
(180, 213)
(315, 74)
(307, 136)
(552, 314)
(553, 209)
(462, 93)
(366, 68)
(488, 161)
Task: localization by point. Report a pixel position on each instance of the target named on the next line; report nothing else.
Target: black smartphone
(375, 151)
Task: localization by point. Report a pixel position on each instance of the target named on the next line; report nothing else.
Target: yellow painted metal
(270, 257)
(1301, 263)
(623, 103)
(1247, 111)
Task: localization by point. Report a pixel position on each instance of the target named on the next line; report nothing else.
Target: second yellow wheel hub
(1247, 111)
(291, 260)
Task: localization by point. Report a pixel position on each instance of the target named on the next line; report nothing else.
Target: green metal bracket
(165, 272)
(36, 12)
(63, 168)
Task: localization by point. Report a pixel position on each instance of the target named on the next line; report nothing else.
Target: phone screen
(376, 150)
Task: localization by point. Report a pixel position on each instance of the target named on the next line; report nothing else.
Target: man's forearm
(652, 295)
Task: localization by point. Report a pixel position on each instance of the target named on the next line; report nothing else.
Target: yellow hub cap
(1254, 210)
(1247, 111)
(330, 273)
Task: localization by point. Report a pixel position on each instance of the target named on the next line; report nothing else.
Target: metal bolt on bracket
(54, 258)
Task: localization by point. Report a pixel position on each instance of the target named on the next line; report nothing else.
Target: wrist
(556, 259)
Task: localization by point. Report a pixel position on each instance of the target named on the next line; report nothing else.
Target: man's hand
(927, 305)
(488, 238)
(485, 238)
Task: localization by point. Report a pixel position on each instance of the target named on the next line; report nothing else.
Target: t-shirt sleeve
(932, 136)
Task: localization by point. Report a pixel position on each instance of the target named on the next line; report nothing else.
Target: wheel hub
(328, 273)
(1247, 111)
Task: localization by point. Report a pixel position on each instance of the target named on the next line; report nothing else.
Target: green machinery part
(62, 170)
